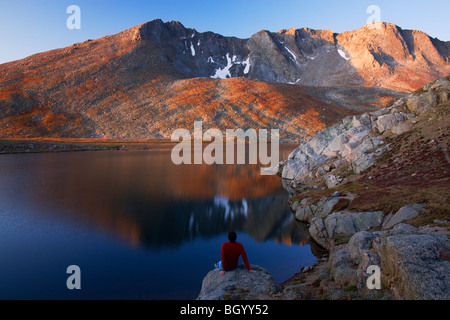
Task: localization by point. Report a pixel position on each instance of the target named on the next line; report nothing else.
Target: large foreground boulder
(415, 263)
(239, 282)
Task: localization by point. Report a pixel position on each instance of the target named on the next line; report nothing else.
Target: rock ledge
(238, 284)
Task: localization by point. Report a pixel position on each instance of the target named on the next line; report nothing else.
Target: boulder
(347, 224)
(358, 243)
(339, 227)
(342, 268)
(407, 212)
(340, 224)
(414, 264)
(305, 212)
(368, 258)
(402, 128)
(366, 145)
(420, 103)
(440, 83)
(363, 163)
(343, 144)
(318, 232)
(401, 228)
(332, 180)
(253, 285)
(367, 220)
(375, 114)
(399, 103)
(291, 169)
(366, 159)
(386, 122)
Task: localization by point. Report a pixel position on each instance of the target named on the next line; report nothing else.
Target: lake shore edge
(44, 145)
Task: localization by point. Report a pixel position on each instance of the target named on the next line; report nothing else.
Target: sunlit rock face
(145, 81)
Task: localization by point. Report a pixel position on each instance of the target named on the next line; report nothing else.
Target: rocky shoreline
(374, 191)
(414, 259)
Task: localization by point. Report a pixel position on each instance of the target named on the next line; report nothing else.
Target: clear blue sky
(32, 26)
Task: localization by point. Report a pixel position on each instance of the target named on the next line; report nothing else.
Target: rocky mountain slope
(145, 81)
(374, 190)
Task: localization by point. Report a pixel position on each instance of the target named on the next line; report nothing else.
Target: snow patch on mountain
(343, 54)
(224, 72)
(247, 65)
(294, 82)
(293, 55)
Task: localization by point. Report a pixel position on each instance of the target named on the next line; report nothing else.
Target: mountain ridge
(127, 85)
(436, 50)
(156, 31)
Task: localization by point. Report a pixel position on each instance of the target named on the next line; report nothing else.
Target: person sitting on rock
(229, 254)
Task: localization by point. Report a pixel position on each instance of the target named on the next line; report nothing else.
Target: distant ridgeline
(149, 80)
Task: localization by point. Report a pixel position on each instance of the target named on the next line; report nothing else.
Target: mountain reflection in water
(202, 201)
(147, 200)
(135, 217)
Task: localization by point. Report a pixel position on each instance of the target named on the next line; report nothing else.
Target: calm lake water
(138, 226)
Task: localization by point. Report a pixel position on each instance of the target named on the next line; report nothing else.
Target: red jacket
(230, 253)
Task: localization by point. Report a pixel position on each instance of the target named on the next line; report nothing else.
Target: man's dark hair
(232, 236)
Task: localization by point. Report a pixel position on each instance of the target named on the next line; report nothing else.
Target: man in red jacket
(230, 253)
